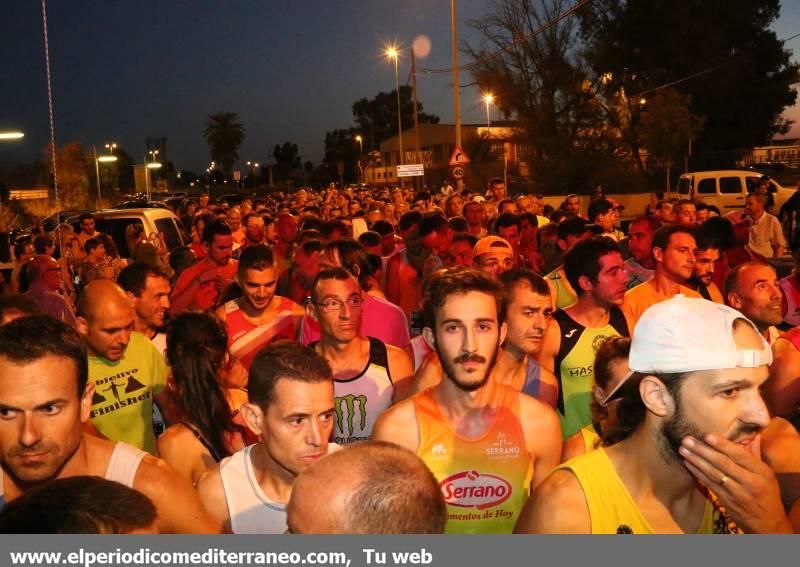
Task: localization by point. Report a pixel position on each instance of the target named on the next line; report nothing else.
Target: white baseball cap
(687, 334)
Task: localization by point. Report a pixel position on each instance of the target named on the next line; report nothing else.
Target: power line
(505, 49)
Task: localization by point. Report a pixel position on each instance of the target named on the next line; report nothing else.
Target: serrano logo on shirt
(471, 489)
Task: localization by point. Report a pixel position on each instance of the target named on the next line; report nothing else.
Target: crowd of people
(371, 360)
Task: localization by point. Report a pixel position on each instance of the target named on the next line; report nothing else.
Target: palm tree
(224, 134)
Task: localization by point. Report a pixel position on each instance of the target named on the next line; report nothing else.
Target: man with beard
(473, 432)
(291, 407)
(46, 400)
(368, 373)
(706, 256)
(595, 268)
(148, 289)
(259, 316)
(697, 369)
(673, 251)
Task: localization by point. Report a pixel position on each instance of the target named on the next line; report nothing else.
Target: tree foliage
(73, 167)
(376, 118)
(287, 158)
(224, 134)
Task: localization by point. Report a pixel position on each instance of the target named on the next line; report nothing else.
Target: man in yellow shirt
(689, 423)
(673, 251)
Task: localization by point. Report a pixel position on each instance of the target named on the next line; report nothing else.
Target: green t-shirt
(122, 405)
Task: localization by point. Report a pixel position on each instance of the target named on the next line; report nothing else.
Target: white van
(114, 222)
(725, 191)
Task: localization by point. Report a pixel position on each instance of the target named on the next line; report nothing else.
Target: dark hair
(432, 222)
(422, 196)
(721, 228)
(369, 238)
(611, 349)
(284, 359)
(503, 203)
(515, 276)
(530, 217)
(20, 303)
(458, 224)
(409, 219)
(85, 216)
(41, 243)
(310, 246)
(459, 280)
(78, 505)
(583, 259)
(701, 206)
(353, 258)
(471, 239)
(662, 236)
(133, 278)
(397, 493)
(505, 220)
(558, 216)
(334, 273)
(312, 223)
(180, 259)
(196, 347)
(572, 226)
(248, 216)
(91, 244)
(217, 227)
(19, 248)
(331, 226)
(630, 411)
(29, 339)
(383, 227)
(599, 207)
(257, 257)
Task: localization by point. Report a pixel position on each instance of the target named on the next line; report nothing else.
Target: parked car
(155, 220)
(725, 191)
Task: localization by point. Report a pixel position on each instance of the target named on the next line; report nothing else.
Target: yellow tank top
(612, 509)
(591, 439)
(486, 480)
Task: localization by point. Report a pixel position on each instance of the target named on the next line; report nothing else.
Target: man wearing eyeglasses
(45, 276)
(368, 374)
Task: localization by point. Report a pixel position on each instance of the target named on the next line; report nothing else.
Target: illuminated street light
(13, 135)
(153, 165)
(393, 53)
(488, 98)
(97, 160)
(111, 147)
(105, 159)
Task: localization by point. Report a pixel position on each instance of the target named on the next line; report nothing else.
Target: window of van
(684, 185)
(730, 185)
(707, 186)
(170, 231)
(116, 229)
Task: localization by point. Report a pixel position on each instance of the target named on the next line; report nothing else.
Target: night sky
(126, 70)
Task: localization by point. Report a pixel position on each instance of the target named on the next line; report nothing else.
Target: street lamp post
(360, 141)
(392, 53)
(97, 161)
(488, 98)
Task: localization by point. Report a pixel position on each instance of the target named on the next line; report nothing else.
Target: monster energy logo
(349, 402)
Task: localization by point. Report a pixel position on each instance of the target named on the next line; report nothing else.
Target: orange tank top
(485, 480)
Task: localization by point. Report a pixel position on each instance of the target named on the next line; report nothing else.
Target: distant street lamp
(97, 160)
(392, 53)
(11, 135)
(111, 148)
(147, 168)
(488, 98)
(360, 141)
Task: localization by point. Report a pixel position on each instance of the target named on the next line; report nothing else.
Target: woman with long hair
(206, 430)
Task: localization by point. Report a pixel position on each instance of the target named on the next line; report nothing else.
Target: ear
(253, 418)
(429, 337)
(503, 333)
(86, 402)
(562, 244)
(585, 283)
(734, 300)
(356, 271)
(82, 325)
(311, 311)
(655, 397)
(131, 297)
(658, 254)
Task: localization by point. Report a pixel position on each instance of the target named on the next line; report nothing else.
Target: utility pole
(418, 149)
(459, 183)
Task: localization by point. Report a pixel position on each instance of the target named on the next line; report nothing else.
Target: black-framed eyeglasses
(331, 305)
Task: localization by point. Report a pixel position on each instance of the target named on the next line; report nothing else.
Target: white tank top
(361, 399)
(122, 466)
(250, 510)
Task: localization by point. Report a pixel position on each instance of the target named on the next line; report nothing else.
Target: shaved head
(39, 265)
(99, 293)
(373, 487)
(105, 319)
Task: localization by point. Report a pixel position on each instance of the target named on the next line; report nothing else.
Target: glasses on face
(331, 305)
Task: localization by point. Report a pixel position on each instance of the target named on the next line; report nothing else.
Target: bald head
(372, 487)
(39, 266)
(97, 294)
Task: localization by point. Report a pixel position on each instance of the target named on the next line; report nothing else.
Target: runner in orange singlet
(486, 443)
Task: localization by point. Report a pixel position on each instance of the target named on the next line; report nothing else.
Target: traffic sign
(411, 170)
(458, 171)
(459, 157)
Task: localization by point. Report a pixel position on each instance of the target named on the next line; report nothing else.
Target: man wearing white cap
(697, 367)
